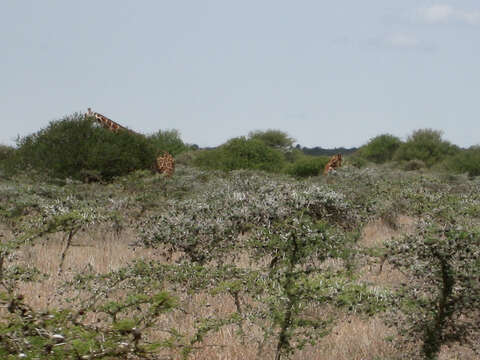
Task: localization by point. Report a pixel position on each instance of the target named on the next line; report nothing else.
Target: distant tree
(6, 152)
(168, 140)
(274, 138)
(380, 149)
(74, 146)
(308, 166)
(465, 161)
(319, 151)
(7, 159)
(242, 153)
(426, 145)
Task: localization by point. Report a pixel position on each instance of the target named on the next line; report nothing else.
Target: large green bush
(276, 139)
(466, 161)
(168, 140)
(426, 145)
(75, 146)
(6, 152)
(242, 153)
(7, 159)
(308, 166)
(380, 149)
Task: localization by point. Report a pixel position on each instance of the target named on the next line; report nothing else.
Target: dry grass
(99, 250)
(374, 235)
(352, 338)
(377, 232)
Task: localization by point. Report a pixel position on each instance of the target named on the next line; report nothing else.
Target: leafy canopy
(426, 145)
(381, 148)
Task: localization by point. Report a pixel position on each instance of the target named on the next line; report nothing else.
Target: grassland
(201, 266)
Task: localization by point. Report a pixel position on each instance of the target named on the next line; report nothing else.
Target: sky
(328, 73)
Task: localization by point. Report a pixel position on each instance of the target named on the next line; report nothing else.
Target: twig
(64, 253)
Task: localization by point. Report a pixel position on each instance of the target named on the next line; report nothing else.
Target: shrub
(7, 158)
(466, 161)
(168, 140)
(74, 145)
(439, 303)
(414, 165)
(380, 149)
(187, 157)
(357, 161)
(426, 145)
(6, 152)
(308, 166)
(273, 138)
(242, 153)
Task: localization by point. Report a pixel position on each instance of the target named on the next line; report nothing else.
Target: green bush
(274, 138)
(308, 166)
(466, 161)
(357, 161)
(242, 153)
(425, 145)
(168, 140)
(7, 160)
(74, 146)
(6, 152)
(380, 149)
(293, 155)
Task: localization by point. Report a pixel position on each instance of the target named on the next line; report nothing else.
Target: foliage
(357, 161)
(426, 145)
(73, 145)
(242, 153)
(466, 161)
(66, 335)
(7, 159)
(283, 255)
(273, 138)
(443, 289)
(206, 226)
(294, 280)
(168, 140)
(380, 149)
(319, 151)
(308, 166)
(6, 152)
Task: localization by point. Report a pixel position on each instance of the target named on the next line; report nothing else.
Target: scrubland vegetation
(245, 253)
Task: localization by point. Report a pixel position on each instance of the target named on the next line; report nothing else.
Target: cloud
(443, 13)
(470, 17)
(403, 40)
(436, 13)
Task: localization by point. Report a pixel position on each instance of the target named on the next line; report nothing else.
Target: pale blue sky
(329, 73)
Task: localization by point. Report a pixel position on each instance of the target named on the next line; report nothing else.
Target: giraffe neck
(106, 122)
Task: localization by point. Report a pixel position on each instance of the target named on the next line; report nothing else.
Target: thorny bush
(440, 304)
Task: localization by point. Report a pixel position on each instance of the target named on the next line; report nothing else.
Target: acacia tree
(426, 145)
(381, 148)
(276, 139)
(440, 304)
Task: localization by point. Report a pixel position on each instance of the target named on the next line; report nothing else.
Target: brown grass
(377, 232)
(377, 271)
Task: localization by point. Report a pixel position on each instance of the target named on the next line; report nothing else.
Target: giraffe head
(334, 163)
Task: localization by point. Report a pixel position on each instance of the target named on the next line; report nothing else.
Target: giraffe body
(165, 164)
(334, 163)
